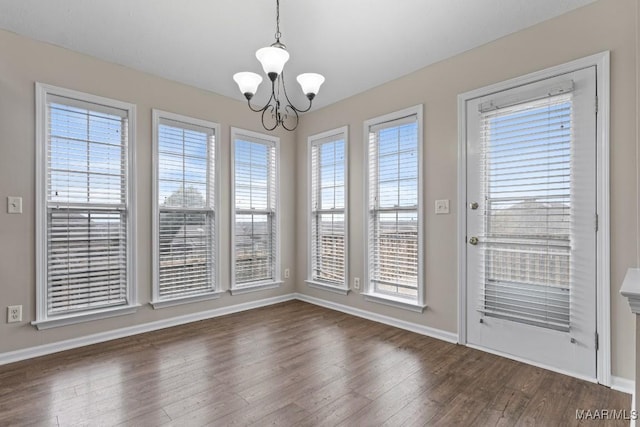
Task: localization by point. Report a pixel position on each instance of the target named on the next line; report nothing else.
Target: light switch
(14, 205)
(442, 207)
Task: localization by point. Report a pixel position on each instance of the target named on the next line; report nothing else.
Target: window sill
(163, 303)
(85, 317)
(394, 302)
(255, 287)
(327, 287)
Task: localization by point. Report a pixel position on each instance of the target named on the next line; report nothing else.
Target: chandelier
(278, 111)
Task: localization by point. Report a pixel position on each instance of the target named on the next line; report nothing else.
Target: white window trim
(156, 301)
(311, 141)
(255, 287)
(369, 294)
(327, 287)
(603, 304)
(43, 321)
(258, 285)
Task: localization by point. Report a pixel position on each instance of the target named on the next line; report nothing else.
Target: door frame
(603, 285)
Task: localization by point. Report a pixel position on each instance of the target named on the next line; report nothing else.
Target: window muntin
(255, 222)
(186, 231)
(328, 209)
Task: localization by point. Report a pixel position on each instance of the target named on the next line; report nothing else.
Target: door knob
(473, 241)
(473, 205)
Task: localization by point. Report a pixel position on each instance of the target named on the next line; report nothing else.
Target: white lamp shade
(272, 59)
(247, 82)
(310, 82)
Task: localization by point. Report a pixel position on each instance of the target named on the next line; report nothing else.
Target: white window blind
(86, 206)
(393, 207)
(328, 210)
(526, 238)
(255, 193)
(186, 201)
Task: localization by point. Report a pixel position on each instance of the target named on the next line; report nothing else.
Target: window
(255, 258)
(184, 215)
(529, 174)
(85, 217)
(328, 202)
(394, 209)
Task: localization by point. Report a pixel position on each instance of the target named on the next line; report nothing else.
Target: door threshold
(533, 363)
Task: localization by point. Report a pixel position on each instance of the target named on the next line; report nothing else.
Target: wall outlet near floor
(287, 273)
(356, 283)
(14, 313)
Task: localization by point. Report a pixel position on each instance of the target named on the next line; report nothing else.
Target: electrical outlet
(287, 273)
(356, 283)
(14, 313)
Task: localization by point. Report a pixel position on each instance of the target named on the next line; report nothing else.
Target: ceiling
(355, 44)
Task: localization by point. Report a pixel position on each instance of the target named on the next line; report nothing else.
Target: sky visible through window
(85, 155)
(183, 156)
(332, 175)
(252, 165)
(398, 166)
(532, 150)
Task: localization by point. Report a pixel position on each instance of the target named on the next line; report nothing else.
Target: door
(531, 222)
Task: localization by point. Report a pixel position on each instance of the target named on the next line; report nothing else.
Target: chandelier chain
(278, 34)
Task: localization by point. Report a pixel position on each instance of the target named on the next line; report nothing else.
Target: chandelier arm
(298, 110)
(290, 104)
(292, 108)
(263, 122)
(256, 110)
(272, 97)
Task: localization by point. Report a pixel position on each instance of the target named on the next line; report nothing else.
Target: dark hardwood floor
(290, 364)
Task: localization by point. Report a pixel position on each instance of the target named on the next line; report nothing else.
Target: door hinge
(596, 104)
(597, 342)
(597, 221)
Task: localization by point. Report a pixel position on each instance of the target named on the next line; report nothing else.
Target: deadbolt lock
(473, 241)
(473, 205)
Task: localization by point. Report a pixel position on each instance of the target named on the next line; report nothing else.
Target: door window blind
(186, 173)
(86, 202)
(393, 207)
(255, 192)
(526, 238)
(328, 210)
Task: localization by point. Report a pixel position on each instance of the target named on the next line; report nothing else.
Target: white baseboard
(42, 350)
(633, 410)
(391, 321)
(623, 384)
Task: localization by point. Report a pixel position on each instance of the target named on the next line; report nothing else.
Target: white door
(531, 222)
